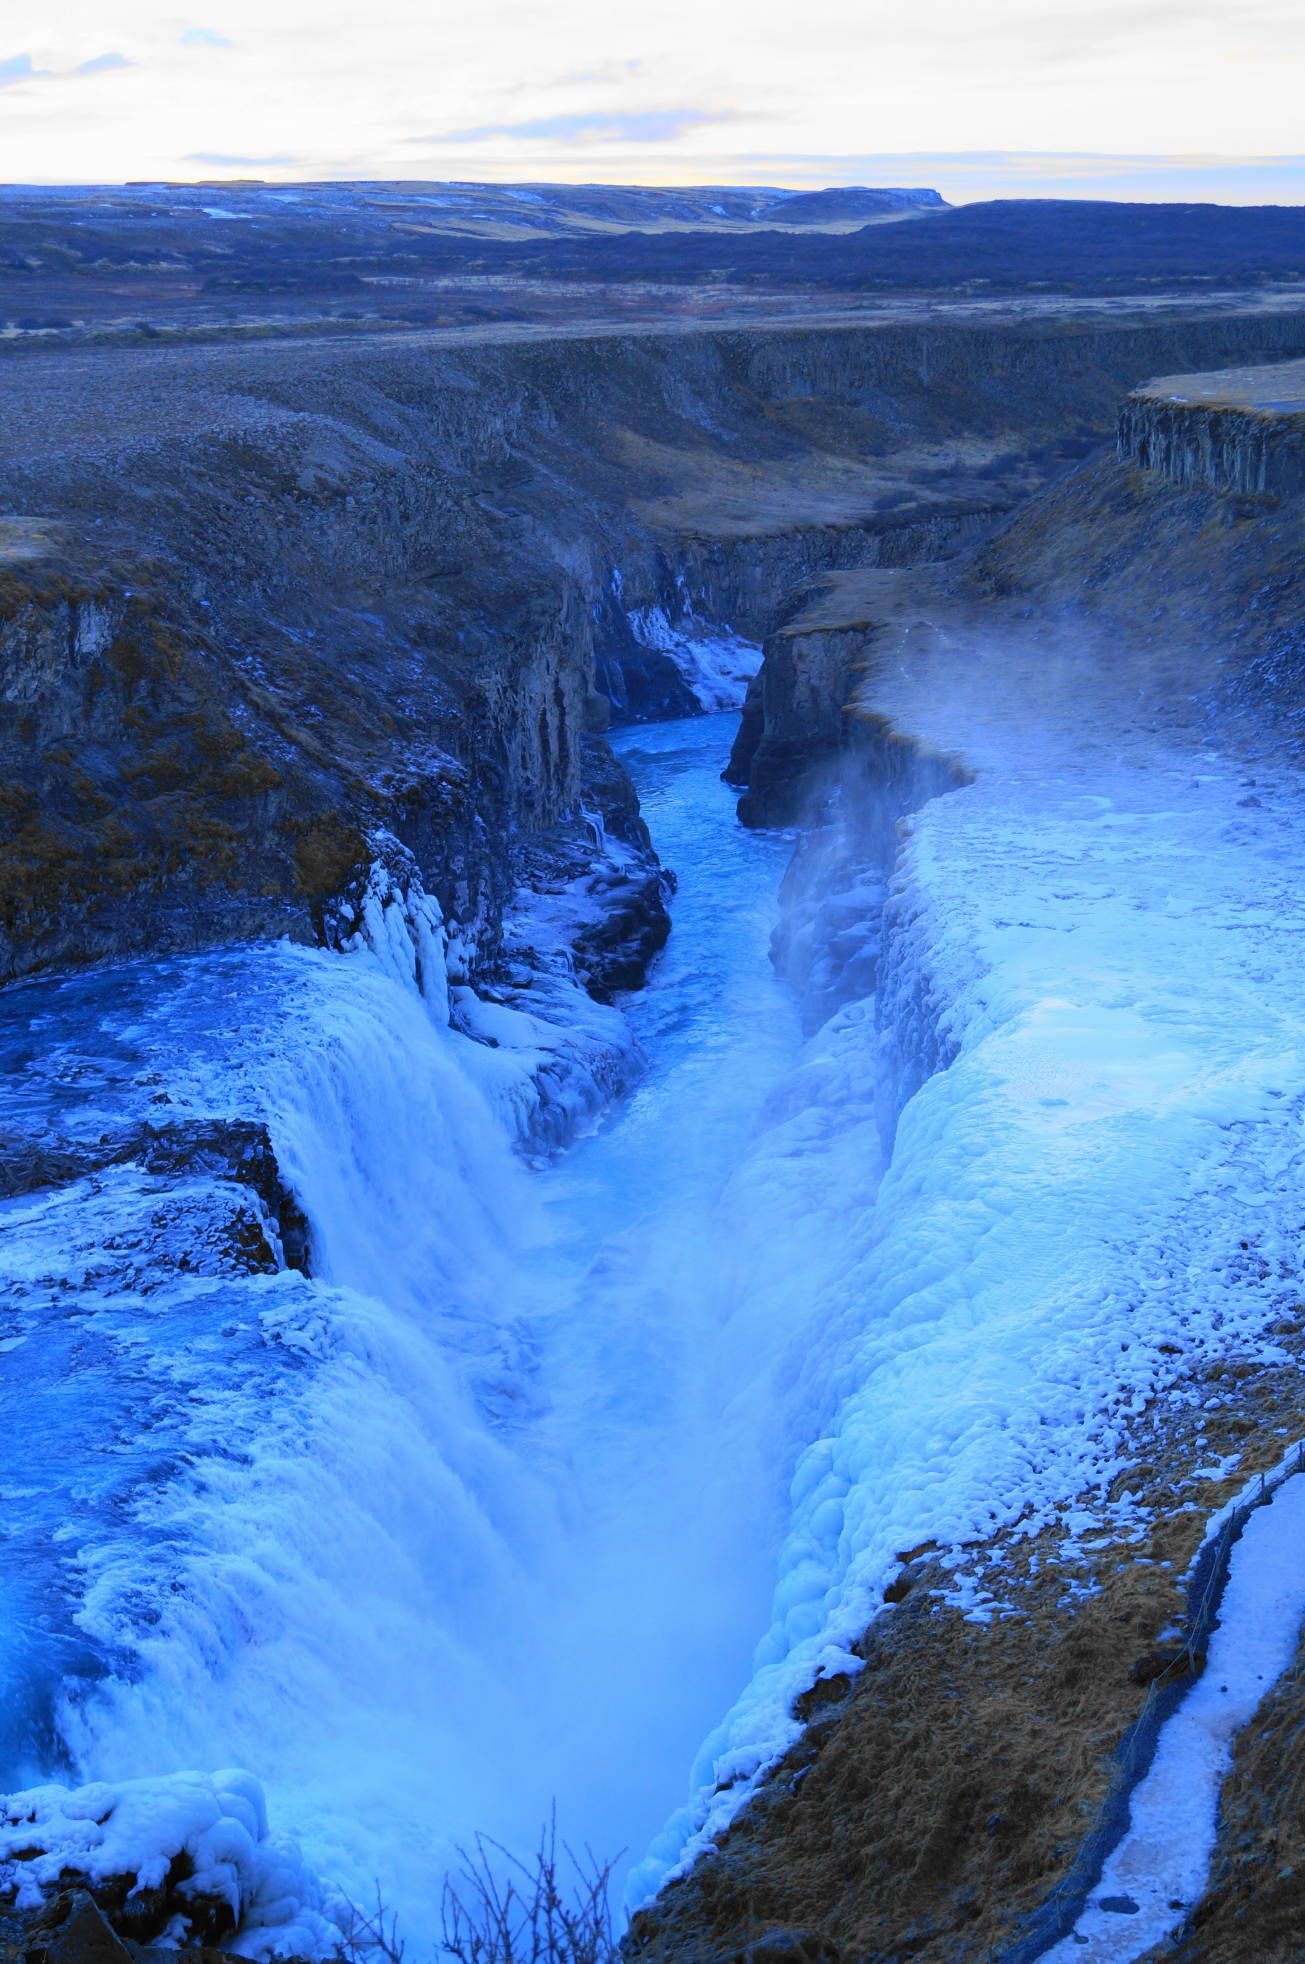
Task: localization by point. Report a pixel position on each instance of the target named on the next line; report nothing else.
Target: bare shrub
(372, 1937)
(498, 1909)
(555, 1910)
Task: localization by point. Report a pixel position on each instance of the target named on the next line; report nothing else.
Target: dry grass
(939, 1797)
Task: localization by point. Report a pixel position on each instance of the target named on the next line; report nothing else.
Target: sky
(1092, 98)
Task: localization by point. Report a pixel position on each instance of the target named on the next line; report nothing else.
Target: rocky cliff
(258, 603)
(1191, 529)
(1243, 430)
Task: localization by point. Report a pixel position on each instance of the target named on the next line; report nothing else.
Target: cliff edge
(1049, 879)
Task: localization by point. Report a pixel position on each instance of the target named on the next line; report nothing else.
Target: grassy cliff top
(1274, 390)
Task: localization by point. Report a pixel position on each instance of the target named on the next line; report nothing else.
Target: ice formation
(460, 1502)
(1100, 929)
(237, 1883)
(529, 1462)
(716, 663)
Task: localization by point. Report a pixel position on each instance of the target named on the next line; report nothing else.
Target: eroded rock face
(1240, 430)
(269, 1235)
(1215, 448)
(73, 1929)
(755, 581)
(805, 681)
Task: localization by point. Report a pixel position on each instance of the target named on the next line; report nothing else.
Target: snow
(136, 1829)
(1109, 942)
(545, 1055)
(418, 1537)
(401, 926)
(1160, 1867)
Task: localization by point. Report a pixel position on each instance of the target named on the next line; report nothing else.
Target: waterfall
(320, 1584)
(480, 1512)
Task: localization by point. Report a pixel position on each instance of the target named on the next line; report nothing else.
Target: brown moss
(247, 775)
(129, 659)
(34, 869)
(935, 1800)
(328, 852)
(159, 768)
(215, 847)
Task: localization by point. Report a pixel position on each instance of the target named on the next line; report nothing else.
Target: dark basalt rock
(235, 1150)
(73, 1929)
(108, 1925)
(613, 955)
(747, 737)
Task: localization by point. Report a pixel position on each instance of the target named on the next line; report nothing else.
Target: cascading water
(484, 1515)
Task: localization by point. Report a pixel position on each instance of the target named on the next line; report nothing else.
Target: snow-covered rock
(715, 662)
(181, 1857)
(1096, 940)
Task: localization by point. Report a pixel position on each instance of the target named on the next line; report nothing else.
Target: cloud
(593, 126)
(227, 160)
(102, 64)
(19, 68)
(610, 71)
(205, 37)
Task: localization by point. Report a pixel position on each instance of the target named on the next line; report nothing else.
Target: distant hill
(358, 212)
(137, 259)
(852, 204)
(1010, 245)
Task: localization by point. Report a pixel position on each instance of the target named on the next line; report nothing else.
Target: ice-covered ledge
(1096, 929)
(1237, 429)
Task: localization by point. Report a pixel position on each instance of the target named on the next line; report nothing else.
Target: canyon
(961, 1291)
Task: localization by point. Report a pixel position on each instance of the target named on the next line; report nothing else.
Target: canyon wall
(1134, 635)
(1243, 430)
(1188, 538)
(259, 604)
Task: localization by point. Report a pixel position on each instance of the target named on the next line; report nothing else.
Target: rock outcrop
(1243, 430)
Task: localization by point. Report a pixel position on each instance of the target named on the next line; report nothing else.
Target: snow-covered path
(1158, 1872)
